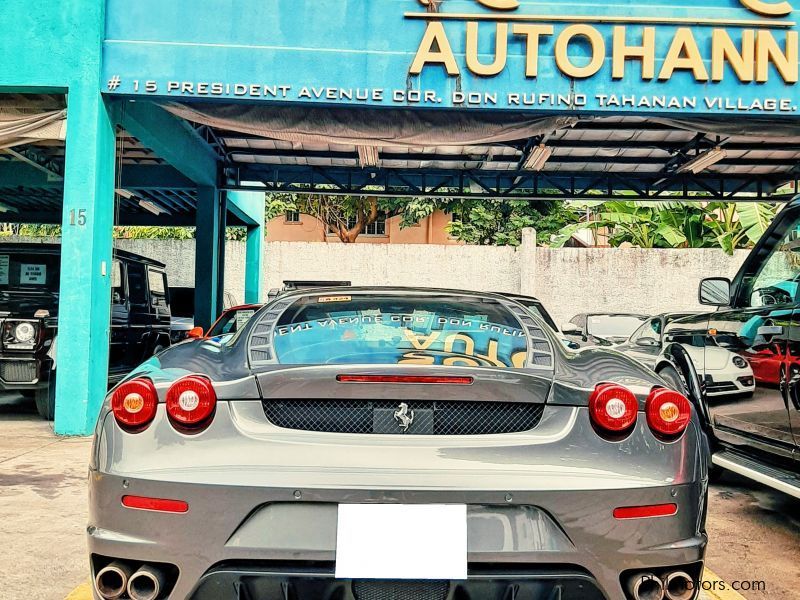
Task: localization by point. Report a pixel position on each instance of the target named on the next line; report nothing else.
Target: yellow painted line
(715, 588)
(82, 592)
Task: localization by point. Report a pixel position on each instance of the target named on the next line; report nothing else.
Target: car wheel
(45, 399)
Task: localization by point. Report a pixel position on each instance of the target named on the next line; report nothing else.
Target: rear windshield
(31, 271)
(439, 330)
(614, 325)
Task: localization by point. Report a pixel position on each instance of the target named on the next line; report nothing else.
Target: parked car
(726, 373)
(29, 288)
(293, 457)
(228, 322)
(182, 304)
(536, 307)
(601, 329)
(758, 320)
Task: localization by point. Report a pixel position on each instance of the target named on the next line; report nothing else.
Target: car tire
(45, 399)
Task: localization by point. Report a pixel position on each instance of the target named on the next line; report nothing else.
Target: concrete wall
(567, 280)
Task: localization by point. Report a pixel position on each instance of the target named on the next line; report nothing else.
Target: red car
(229, 321)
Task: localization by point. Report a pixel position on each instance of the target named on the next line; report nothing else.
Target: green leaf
(755, 218)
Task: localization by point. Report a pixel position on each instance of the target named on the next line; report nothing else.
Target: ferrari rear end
(362, 444)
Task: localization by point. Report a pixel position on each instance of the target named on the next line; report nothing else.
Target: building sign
(645, 56)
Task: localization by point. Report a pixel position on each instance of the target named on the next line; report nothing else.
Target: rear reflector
(424, 379)
(646, 512)
(155, 504)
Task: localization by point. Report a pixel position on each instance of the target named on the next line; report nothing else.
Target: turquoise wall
(55, 43)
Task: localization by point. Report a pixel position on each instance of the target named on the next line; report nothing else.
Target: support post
(222, 238)
(249, 206)
(85, 295)
(206, 269)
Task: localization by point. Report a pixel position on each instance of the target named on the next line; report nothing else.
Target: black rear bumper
(316, 582)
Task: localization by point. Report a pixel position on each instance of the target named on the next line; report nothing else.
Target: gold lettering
(768, 9)
(724, 50)
(684, 54)
(533, 35)
(646, 52)
(597, 43)
(416, 358)
(435, 49)
(769, 51)
(469, 343)
(419, 341)
(500, 4)
(500, 51)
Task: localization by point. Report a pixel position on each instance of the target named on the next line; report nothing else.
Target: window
(388, 329)
(376, 228)
(292, 216)
(137, 287)
(650, 330)
(775, 279)
(158, 286)
(117, 285)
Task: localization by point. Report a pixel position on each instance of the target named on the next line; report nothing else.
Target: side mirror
(571, 329)
(648, 342)
(195, 333)
(715, 291)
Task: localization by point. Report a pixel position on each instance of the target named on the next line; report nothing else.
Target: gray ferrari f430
(388, 443)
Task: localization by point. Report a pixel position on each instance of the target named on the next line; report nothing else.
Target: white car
(726, 373)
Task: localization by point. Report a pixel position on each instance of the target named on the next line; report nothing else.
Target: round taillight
(613, 408)
(134, 404)
(191, 401)
(668, 412)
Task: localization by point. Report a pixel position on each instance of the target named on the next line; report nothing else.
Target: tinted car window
(36, 271)
(117, 286)
(453, 331)
(776, 282)
(137, 285)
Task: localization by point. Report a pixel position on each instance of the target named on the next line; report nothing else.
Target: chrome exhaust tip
(679, 586)
(646, 586)
(146, 584)
(111, 581)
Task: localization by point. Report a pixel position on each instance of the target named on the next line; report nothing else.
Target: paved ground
(755, 532)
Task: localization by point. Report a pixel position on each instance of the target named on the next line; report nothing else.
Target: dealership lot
(755, 532)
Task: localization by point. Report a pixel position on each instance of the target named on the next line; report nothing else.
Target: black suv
(757, 322)
(29, 285)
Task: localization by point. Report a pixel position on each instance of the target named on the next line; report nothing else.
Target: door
(119, 318)
(139, 320)
(752, 343)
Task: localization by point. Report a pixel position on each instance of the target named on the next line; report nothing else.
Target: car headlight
(740, 362)
(24, 333)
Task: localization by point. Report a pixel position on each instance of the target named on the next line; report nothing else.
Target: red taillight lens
(424, 379)
(613, 408)
(191, 401)
(646, 512)
(668, 412)
(155, 504)
(134, 404)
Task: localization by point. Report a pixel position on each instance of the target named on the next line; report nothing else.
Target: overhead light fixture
(153, 208)
(368, 156)
(125, 193)
(702, 161)
(537, 158)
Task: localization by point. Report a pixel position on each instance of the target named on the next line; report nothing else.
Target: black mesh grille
(13, 371)
(389, 417)
(400, 590)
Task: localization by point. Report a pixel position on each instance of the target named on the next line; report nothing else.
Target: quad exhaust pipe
(146, 584)
(112, 581)
(646, 586)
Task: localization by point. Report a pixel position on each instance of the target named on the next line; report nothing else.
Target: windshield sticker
(4, 262)
(32, 274)
(401, 339)
(242, 317)
(325, 299)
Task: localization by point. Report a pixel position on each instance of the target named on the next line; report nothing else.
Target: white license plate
(401, 541)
